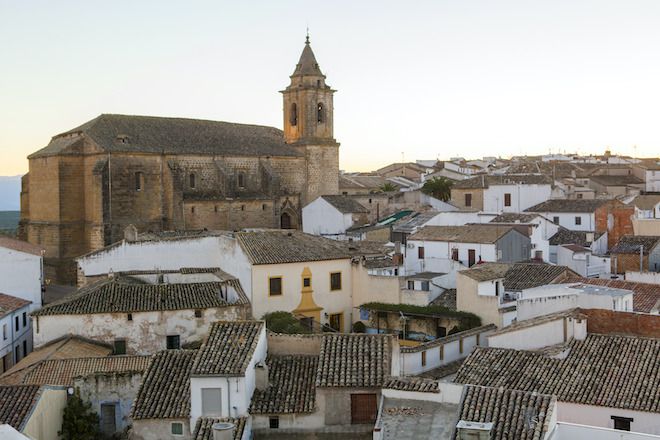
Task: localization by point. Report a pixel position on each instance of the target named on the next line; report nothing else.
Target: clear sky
(433, 79)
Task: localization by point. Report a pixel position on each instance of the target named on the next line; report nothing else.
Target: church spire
(307, 64)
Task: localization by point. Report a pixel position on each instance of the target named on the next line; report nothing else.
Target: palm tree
(438, 187)
(388, 187)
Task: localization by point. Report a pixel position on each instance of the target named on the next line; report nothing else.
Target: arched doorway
(285, 221)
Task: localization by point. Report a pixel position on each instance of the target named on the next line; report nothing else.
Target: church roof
(151, 134)
(307, 65)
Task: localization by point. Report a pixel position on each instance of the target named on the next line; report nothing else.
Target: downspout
(228, 398)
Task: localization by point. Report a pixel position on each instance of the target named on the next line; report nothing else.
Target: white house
(649, 172)
(582, 260)
(21, 270)
(331, 216)
(541, 230)
(445, 248)
(573, 214)
(16, 327)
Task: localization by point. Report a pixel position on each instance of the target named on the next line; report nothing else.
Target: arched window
(241, 180)
(192, 180)
(320, 113)
(293, 117)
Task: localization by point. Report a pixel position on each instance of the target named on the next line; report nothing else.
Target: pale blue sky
(431, 78)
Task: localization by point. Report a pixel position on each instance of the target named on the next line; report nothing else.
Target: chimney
(223, 431)
(473, 430)
(261, 376)
(130, 233)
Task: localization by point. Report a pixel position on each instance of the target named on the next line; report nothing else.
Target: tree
(79, 422)
(438, 187)
(284, 322)
(388, 187)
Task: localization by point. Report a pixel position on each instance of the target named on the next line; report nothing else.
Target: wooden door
(471, 257)
(364, 408)
(108, 419)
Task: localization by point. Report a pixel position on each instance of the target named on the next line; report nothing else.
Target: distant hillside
(10, 193)
(9, 222)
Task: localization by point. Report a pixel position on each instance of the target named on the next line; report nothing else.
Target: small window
(420, 252)
(454, 254)
(24, 319)
(275, 286)
(274, 422)
(4, 332)
(17, 324)
(173, 342)
(177, 428)
(25, 352)
(497, 288)
(578, 220)
(211, 402)
(17, 353)
(192, 209)
(307, 282)
(335, 281)
(424, 359)
(555, 220)
(468, 199)
(460, 346)
(411, 285)
(441, 352)
(622, 423)
(579, 195)
(425, 286)
(129, 317)
(119, 347)
(263, 207)
(242, 207)
(215, 208)
(507, 199)
(139, 181)
(191, 180)
(320, 113)
(293, 115)
(198, 313)
(241, 180)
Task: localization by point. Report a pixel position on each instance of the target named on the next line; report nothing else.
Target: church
(160, 174)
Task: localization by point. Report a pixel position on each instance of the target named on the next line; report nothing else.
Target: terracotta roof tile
(273, 247)
(354, 360)
(9, 303)
(630, 244)
(477, 233)
(603, 370)
(519, 276)
(228, 349)
(568, 205)
(345, 204)
(16, 402)
(417, 384)
(19, 245)
(291, 389)
(646, 297)
(203, 427)
(165, 389)
(62, 371)
(486, 181)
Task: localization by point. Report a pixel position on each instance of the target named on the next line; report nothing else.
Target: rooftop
(291, 386)
(616, 180)
(282, 246)
(124, 295)
(412, 383)
(345, 204)
(514, 217)
(409, 225)
(603, 370)
(228, 349)
(16, 402)
(646, 297)
(477, 233)
(484, 181)
(514, 414)
(165, 389)
(403, 419)
(203, 427)
(568, 205)
(157, 135)
(646, 202)
(566, 236)
(533, 322)
(630, 244)
(19, 245)
(518, 276)
(9, 303)
(354, 360)
(63, 371)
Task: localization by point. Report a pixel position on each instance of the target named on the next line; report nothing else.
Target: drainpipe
(641, 258)
(228, 398)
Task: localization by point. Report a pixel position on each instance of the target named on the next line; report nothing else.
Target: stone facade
(159, 174)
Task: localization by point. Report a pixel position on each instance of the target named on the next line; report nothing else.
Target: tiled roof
(228, 349)
(518, 276)
(9, 303)
(68, 347)
(646, 297)
(484, 181)
(204, 425)
(345, 204)
(418, 384)
(534, 322)
(353, 360)
(291, 386)
(62, 371)
(443, 370)
(446, 299)
(120, 295)
(513, 217)
(409, 225)
(604, 370)
(568, 205)
(514, 414)
(447, 339)
(477, 233)
(646, 202)
(576, 248)
(19, 245)
(273, 247)
(364, 182)
(165, 389)
(630, 244)
(150, 134)
(566, 236)
(16, 402)
(617, 180)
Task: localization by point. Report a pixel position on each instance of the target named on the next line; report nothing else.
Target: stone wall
(458, 198)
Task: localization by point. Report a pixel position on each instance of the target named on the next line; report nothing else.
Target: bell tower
(308, 125)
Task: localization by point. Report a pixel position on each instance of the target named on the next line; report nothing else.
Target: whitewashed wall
(15, 338)
(572, 431)
(321, 218)
(459, 218)
(522, 197)
(437, 255)
(643, 277)
(540, 335)
(21, 276)
(567, 220)
(601, 416)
